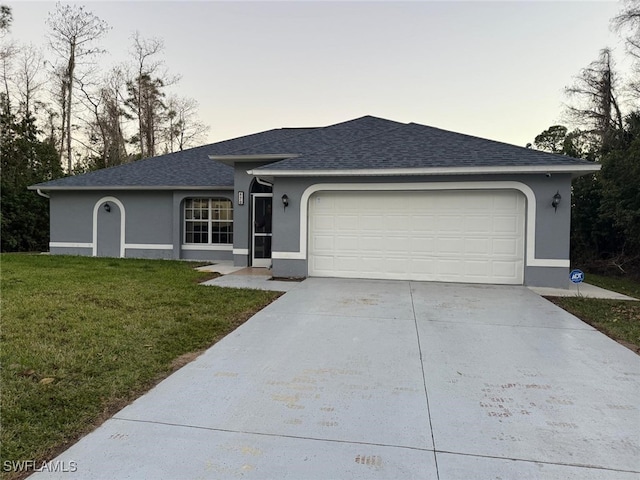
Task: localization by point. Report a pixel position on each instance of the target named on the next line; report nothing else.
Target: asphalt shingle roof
(187, 168)
(419, 146)
(366, 143)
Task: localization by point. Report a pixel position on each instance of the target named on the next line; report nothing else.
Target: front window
(208, 221)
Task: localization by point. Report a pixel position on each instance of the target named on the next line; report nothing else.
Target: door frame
(259, 262)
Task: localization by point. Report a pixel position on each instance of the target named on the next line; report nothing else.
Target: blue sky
(491, 69)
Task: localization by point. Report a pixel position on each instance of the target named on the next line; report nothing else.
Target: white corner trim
(149, 246)
(70, 245)
(241, 251)
(548, 262)
(95, 223)
(194, 246)
(288, 255)
(530, 222)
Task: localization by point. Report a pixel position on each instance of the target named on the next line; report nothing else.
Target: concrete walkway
(380, 379)
(260, 279)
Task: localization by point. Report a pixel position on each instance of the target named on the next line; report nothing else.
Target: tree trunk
(70, 73)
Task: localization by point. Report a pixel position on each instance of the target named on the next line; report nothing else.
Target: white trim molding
(148, 246)
(205, 246)
(241, 251)
(379, 172)
(530, 260)
(95, 223)
(70, 245)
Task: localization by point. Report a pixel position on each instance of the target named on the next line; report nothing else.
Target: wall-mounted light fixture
(240, 198)
(107, 207)
(556, 200)
(285, 201)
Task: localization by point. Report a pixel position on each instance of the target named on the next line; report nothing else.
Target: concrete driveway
(378, 379)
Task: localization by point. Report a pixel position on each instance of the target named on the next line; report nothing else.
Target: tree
(146, 99)
(552, 139)
(620, 206)
(73, 34)
(183, 129)
(594, 103)
(28, 79)
(6, 17)
(105, 132)
(146, 92)
(24, 160)
(628, 22)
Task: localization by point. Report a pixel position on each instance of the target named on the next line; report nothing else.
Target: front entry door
(261, 251)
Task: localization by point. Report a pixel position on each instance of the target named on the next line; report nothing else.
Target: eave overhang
(574, 170)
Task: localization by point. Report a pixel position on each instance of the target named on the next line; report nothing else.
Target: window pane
(215, 215)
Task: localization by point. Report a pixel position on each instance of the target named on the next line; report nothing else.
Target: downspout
(39, 192)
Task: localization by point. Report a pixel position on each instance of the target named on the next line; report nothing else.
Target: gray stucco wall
(551, 229)
(154, 220)
(153, 224)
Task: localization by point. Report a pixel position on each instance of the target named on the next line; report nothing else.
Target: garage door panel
(422, 223)
(396, 245)
(323, 222)
(505, 270)
(505, 246)
(423, 245)
(472, 236)
(477, 224)
(397, 223)
(477, 268)
(505, 224)
(477, 246)
(449, 245)
(372, 244)
(347, 243)
(450, 223)
(324, 243)
(346, 222)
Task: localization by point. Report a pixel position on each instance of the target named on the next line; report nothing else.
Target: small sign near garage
(577, 276)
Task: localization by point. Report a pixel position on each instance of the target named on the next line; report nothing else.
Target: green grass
(619, 319)
(82, 337)
(617, 284)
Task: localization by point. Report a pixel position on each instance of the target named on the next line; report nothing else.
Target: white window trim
(210, 222)
(530, 245)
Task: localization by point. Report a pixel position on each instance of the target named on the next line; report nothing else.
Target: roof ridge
(349, 142)
(298, 134)
(314, 130)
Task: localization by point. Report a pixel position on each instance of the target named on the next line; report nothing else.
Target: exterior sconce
(285, 201)
(107, 207)
(240, 198)
(556, 200)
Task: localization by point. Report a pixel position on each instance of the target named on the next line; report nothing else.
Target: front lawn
(82, 337)
(619, 319)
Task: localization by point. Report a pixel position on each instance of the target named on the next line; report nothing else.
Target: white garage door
(474, 236)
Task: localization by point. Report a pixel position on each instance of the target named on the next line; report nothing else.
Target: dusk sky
(491, 69)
